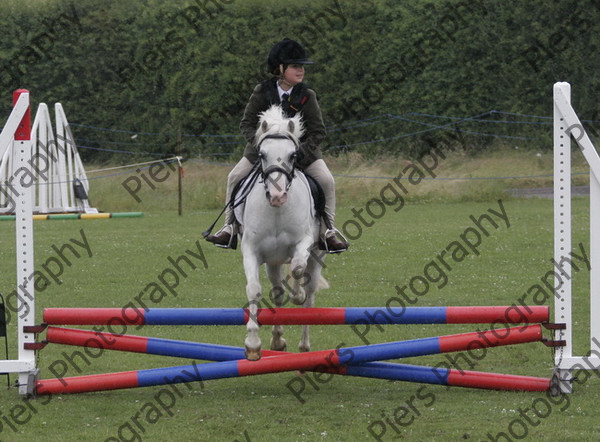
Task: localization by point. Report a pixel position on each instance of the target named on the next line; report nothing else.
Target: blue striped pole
(331, 360)
(299, 316)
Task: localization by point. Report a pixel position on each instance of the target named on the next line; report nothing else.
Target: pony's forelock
(278, 123)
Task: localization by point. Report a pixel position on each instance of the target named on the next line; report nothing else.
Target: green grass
(128, 254)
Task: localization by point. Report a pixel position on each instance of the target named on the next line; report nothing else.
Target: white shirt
(281, 91)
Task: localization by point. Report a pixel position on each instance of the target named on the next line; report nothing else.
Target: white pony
(279, 226)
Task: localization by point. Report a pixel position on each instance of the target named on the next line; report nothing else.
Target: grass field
(129, 254)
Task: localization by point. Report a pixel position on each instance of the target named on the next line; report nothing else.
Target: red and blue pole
(355, 358)
(143, 344)
(299, 316)
(448, 376)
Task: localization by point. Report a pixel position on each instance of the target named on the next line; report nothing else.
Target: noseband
(289, 174)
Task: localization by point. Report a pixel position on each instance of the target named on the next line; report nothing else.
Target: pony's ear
(291, 127)
(264, 125)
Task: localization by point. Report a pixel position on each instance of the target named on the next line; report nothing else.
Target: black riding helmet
(286, 52)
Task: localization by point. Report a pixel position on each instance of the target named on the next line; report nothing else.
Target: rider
(286, 63)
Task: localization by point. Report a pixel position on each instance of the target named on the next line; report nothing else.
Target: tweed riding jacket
(304, 100)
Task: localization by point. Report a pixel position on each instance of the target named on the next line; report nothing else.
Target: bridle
(253, 176)
(289, 174)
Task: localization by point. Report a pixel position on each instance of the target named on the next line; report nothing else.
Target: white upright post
(567, 125)
(24, 247)
(75, 168)
(41, 136)
(595, 260)
(62, 166)
(562, 235)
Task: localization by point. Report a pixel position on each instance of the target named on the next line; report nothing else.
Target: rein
(251, 178)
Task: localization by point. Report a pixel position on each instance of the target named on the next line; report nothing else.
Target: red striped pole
(319, 360)
(213, 352)
(299, 316)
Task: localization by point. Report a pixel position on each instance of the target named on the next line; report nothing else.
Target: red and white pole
(24, 238)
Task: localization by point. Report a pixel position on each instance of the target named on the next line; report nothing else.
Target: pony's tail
(323, 283)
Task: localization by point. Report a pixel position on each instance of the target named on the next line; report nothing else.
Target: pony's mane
(274, 122)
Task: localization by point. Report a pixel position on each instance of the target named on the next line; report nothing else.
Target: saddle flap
(317, 194)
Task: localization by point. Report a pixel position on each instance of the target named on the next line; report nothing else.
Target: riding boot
(333, 244)
(224, 238)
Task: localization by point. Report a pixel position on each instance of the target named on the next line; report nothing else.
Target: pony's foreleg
(253, 292)
(277, 296)
(298, 271)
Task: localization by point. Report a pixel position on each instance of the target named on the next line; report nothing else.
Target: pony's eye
(261, 155)
(294, 156)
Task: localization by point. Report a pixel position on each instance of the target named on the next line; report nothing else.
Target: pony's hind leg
(313, 272)
(304, 344)
(277, 296)
(253, 292)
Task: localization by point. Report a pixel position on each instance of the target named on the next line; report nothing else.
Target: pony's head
(277, 139)
(274, 122)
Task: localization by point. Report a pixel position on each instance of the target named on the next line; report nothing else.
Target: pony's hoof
(253, 354)
(281, 347)
(298, 299)
(304, 348)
